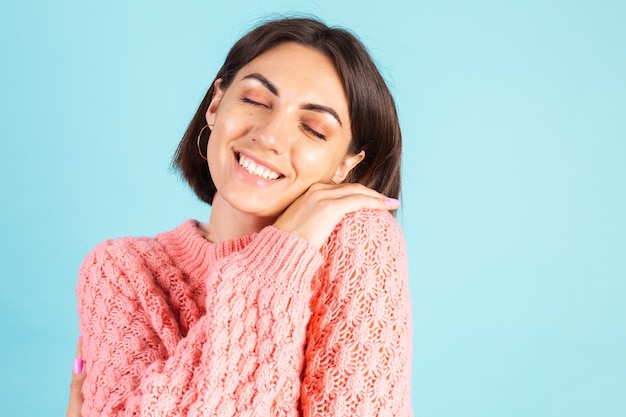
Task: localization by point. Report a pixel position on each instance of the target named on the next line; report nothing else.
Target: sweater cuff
(289, 262)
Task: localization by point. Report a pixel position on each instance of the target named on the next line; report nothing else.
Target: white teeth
(259, 171)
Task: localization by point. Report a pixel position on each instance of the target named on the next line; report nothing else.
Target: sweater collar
(192, 253)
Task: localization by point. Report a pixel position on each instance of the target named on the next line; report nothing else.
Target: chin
(261, 211)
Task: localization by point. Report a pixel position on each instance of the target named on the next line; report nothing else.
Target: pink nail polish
(391, 202)
(77, 368)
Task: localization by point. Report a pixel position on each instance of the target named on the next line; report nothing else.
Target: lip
(247, 177)
(257, 161)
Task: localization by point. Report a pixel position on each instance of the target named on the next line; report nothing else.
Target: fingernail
(77, 368)
(392, 202)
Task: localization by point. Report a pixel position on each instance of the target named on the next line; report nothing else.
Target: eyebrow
(323, 109)
(309, 106)
(264, 81)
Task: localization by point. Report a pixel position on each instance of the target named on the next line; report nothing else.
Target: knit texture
(263, 325)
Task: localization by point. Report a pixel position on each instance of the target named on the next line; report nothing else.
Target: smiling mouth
(257, 170)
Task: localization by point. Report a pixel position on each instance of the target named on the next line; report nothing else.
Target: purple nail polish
(77, 368)
(391, 202)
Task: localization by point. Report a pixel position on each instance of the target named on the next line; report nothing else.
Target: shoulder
(112, 264)
(119, 263)
(367, 239)
(131, 250)
(119, 251)
(368, 227)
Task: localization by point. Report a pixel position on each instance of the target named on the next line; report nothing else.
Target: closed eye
(254, 103)
(313, 132)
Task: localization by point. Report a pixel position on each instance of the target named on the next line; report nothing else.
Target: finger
(356, 202)
(76, 385)
(365, 197)
(349, 197)
(335, 191)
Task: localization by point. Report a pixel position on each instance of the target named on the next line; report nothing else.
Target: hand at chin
(314, 215)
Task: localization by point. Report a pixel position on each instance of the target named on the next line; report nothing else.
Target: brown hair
(374, 121)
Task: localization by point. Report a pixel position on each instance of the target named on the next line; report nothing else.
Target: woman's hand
(314, 215)
(76, 386)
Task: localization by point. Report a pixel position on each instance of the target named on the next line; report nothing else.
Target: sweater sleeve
(358, 356)
(240, 359)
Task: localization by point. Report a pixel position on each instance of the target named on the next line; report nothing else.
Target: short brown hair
(374, 120)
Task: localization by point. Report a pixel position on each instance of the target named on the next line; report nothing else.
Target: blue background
(513, 114)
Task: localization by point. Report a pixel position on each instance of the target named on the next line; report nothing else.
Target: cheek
(318, 164)
(234, 124)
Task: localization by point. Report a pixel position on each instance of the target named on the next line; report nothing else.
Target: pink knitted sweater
(263, 325)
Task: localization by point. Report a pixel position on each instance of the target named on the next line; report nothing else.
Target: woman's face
(282, 125)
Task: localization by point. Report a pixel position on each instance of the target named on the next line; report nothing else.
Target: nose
(273, 134)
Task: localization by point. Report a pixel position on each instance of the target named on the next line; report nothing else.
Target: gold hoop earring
(198, 141)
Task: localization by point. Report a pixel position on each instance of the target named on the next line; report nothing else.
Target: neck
(226, 222)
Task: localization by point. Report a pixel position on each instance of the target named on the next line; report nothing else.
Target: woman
(292, 299)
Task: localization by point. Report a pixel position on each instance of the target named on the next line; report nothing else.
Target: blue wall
(514, 119)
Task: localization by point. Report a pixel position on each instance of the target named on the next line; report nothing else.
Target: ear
(344, 168)
(218, 93)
